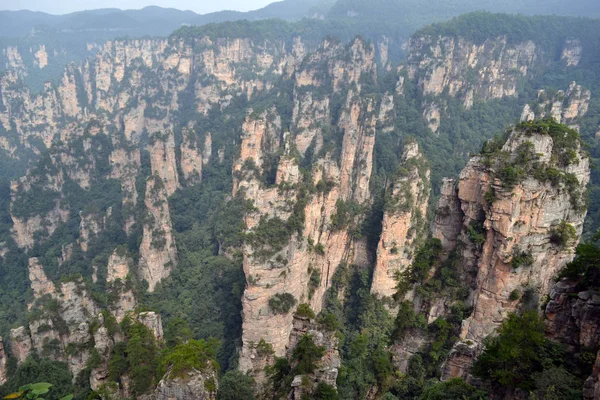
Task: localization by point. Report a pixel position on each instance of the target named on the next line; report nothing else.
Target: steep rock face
(566, 107)
(158, 254)
(591, 389)
(315, 247)
(3, 362)
(64, 332)
(118, 272)
(52, 332)
(195, 385)
(571, 52)
(509, 241)
(441, 63)
(130, 89)
(447, 223)
(191, 158)
(20, 343)
(573, 320)
(327, 367)
(403, 224)
(40, 284)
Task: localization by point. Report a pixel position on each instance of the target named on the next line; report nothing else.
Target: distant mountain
(408, 15)
(152, 21)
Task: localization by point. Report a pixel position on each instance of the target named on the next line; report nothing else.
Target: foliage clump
(192, 355)
(282, 303)
(520, 357)
(562, 234)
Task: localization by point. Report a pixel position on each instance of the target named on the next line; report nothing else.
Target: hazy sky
(66, 6)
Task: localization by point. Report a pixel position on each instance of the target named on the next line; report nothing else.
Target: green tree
(453, 389)
(510, 358)
(235, 385)
(306, 354)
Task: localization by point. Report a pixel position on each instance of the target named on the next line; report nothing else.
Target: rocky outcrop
(447, 222)
(153, 322)
(510, 240)
(158, 255)
(442, 63)
(119, 275)
(327, 367)
(3, 363)
(40, 284)
(567, 107)
(312, 251)
(20, 344)
(195, 385)
(191, 158)
(573, 318)
(591, 388)
(572, 52)
(403, 226)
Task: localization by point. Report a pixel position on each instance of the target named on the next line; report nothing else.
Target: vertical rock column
(517, 254)
(403, 221)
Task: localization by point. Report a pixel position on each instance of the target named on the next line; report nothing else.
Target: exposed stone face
(158, 254)
(432, 116)
(40, 284)
(191, 158)
(403, 224)
(518, 220)
(163, 162)
(153, 322)
(526, 214)
(447, 223)
(441, 63)
(459, 361)
(572, 52)
(41, 57)
(310, 115)
(573, 320)
(89, 227)
(591, 388)
(288, 270)
(193, 386)
(328, 366)
(566, 107)
(3, 361)
(20, 343)
(118, 272)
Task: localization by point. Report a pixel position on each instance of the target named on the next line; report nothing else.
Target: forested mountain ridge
(255, 183)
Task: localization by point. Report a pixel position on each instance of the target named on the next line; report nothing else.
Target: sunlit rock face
(516, 256)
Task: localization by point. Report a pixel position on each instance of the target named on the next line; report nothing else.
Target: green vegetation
(306, 354)
(562, 234)
(304, 311)
(34, 391)
(522, 259)
(40, 370)
(453, 389)
(521, 357)
(192, 355)
(585, 269)
(282, 303)
(236, 386)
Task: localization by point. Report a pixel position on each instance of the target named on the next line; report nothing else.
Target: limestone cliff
(447, 63)
(316, 232)
(403, 226)
(195, 385)
(158, 254)
(566, 107)
(518, 231)
(327, 367)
